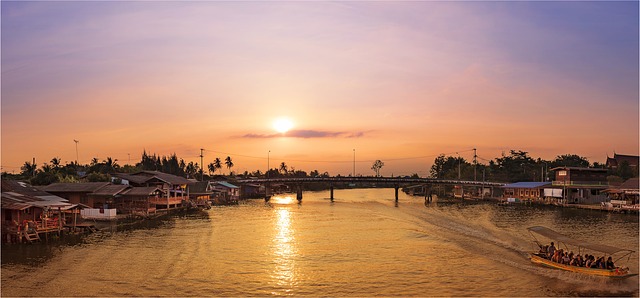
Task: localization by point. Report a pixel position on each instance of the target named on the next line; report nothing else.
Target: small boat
(541, 259)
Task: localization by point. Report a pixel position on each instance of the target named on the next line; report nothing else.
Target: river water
(363, 244)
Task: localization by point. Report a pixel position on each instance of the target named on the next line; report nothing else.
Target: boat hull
(618, 272)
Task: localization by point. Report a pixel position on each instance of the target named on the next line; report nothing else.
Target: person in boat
(610, 264)
(588, 262)
(602, 264)
(580, 261)
(544, 249)
(575, 261)
(554, 258)
(565, 258)
(550, 251)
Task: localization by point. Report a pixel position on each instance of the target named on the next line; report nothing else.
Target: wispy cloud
(307, 134)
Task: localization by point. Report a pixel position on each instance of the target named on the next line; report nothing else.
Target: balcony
(580, 183)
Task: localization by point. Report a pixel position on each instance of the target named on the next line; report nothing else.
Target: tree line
(518, 166)
(512, 167)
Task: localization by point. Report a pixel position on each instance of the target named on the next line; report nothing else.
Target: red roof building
(617, 159)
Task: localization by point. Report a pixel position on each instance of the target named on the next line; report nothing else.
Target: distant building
(525, 191)
(126, 199)
(174, 189)
(252, 190)
(228, 192)
(617, 160)
(629, 191)
(580, 185)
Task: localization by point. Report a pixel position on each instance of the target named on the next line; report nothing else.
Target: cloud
(307, 134)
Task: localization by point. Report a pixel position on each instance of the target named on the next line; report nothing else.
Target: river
(363, 244)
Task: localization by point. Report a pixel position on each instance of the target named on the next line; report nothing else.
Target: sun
(282, 125)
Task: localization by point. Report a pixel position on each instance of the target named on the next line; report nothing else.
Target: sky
(402, 82)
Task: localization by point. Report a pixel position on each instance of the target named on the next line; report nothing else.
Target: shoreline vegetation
(512, 167)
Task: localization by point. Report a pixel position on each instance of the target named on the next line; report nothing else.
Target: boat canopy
(551, 234)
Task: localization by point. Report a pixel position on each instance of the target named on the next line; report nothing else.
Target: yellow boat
(540, 258)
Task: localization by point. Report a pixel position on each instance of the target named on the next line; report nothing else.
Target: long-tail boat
(542, 259)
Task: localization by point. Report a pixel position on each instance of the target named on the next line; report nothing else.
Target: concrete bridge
(392, 181)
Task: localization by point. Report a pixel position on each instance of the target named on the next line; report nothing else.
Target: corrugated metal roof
(133, 178)
(173, 179)
(226, 184)
(146, 176)
(109, 190)
(141, 191)
(633, 183)
(75, 187)
(15, 201)
(527, 185)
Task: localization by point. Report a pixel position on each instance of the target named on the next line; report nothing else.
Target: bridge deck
(388, 180)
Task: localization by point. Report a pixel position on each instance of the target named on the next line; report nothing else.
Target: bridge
(395, 181)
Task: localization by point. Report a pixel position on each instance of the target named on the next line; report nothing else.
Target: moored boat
(582, 246)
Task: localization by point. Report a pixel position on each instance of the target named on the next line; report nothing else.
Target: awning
(551, 234)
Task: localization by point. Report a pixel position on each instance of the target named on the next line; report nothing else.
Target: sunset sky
(397, 81)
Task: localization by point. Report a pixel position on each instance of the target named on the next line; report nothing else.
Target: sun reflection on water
(284, 251)
(282, 199)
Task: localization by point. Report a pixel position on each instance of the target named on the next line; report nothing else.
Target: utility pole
(475, 163)
(76, 150)
(354, 162)
(459, 161)
(201, 165)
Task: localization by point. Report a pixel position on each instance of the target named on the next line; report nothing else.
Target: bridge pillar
(396, 188)
(267, 194)
(331, 192)
(299, 193)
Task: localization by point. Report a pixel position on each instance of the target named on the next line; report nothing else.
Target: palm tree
(229, 163)
(29, 169)
(217, 163)
(111, 165)
(191, 170)
(283, 168)
(46, 168)
(56, 162)
(212, 168)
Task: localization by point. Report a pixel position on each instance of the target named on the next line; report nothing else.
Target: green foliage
(44, 178)
(98, 177)
(625, 171)
(570, 160)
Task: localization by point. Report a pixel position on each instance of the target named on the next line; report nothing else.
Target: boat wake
(475, 232)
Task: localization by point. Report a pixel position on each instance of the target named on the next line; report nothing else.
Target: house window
(84, 200)
(562, 173)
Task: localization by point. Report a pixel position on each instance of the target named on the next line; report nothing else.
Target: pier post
(299, 193)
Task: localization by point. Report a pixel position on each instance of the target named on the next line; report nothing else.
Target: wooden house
(174, 188)
(252, 190)
(581, 185)
(225, 192)
(28, 212)
(141, 200)
(80, 193)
